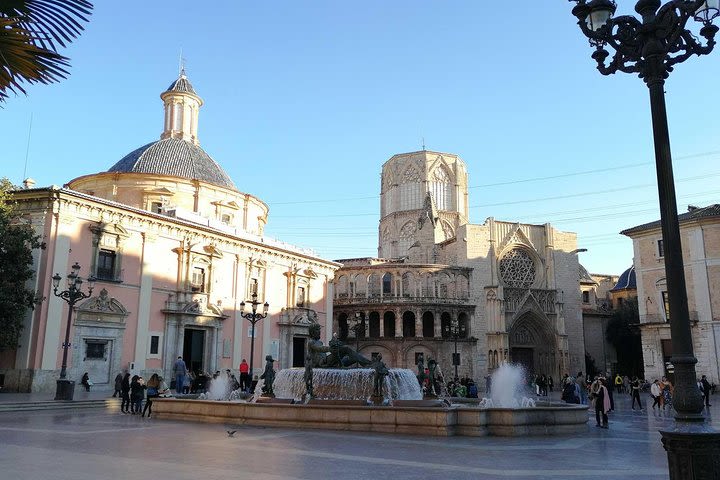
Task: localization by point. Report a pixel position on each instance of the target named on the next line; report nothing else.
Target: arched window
(517, 268)
(374, 325)
(374, 285)
(441, 188)
(342, 287)
(411, 195)
(408, 324)
(389, 324)
(387, 284)
(407, 238)
(408, 285)
(428, 323)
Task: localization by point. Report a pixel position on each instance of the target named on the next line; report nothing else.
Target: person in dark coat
(118, 385)
(706, 388)
(137, 394)
(125, 393)
(85, 381)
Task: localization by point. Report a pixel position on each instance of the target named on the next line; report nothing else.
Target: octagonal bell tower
(423, 201)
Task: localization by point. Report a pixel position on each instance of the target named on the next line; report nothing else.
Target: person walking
(154, 390)
(667, 392)
(580, 380)
(706, 388)
(656, 394)
(118, 385)
(618, 383)
(125, 393)
(601, 401)
(244, 376)
(179, 370)
(635, 391)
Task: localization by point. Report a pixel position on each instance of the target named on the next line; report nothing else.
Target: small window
(198, 279)
(95, 350)
(586, 296)
(300, 301)
(620, 302)
(661, 248)
(156, 207)
(154, 344)
(106, 265)
(666, 304)
(226, 219)
(419, 356)
(253, 286)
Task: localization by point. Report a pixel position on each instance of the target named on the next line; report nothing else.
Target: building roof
(693, 213)
(182, 84)
(175, 157)
(627, 280)
(585, 277)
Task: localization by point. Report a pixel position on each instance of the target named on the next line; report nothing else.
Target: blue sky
(305, 100)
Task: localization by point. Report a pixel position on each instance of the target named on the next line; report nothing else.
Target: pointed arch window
(441, 188)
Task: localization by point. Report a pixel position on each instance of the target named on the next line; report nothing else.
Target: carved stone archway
(532, 344)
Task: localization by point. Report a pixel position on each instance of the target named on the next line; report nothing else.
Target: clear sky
(305, 100)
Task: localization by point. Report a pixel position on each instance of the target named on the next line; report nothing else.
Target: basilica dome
(175, 157)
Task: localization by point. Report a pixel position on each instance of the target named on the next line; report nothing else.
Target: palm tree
(30, 33)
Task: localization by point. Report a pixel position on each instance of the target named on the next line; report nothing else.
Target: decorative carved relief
(517, 268)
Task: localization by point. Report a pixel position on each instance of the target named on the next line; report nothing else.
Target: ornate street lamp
(651, 47)
(65, 389)
(456, 330)
(254, 318)
(359, 329)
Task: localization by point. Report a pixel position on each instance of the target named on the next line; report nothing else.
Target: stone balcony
(363, 299)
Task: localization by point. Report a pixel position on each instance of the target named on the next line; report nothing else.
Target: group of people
(133, 390)
(464, 387)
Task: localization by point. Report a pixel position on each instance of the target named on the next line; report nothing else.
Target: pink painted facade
(175, 247)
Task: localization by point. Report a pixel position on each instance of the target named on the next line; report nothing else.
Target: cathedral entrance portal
(532, 345)
(194, 349)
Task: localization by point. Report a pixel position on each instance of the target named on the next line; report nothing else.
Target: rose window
(517, 269)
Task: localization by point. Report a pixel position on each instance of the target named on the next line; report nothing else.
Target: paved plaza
(96, 443)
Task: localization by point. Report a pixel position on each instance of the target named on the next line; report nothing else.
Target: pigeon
(231, 433)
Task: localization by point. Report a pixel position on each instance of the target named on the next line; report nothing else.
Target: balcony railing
(345, 299)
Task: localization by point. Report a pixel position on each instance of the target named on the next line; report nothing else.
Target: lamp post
(358, 328)
(456, 330)
(651, 48)
(65, 389)
(254, 318)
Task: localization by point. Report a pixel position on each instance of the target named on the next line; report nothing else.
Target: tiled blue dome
(626, 280)
(175, 157)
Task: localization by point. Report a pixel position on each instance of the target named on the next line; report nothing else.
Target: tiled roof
(585, 277)
(626, 280)
(182, 84)
(175, 157)
(693, 213)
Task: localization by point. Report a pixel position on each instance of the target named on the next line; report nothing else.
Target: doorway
(194, 349)
(524, 357)
(298, 353)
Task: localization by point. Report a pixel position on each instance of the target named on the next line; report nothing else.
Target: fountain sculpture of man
(381, 371)
(336, 355)
(432, 366)
(269, 377)
(421, 371)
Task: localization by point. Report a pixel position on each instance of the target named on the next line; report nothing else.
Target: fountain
(327, 394)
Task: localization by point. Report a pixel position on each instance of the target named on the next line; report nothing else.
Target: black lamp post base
(693, 451)
(65, 389)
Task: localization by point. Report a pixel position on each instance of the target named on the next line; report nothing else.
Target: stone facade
(508, 291)
(700, 238)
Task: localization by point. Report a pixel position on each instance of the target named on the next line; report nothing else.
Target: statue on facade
(269, 377)
(336, 355)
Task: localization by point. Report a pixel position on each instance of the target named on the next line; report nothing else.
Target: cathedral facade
(470, 296)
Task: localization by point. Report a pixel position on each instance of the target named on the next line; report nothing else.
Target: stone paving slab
(91, 444)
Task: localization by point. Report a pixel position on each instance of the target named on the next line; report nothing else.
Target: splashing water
(507, 389)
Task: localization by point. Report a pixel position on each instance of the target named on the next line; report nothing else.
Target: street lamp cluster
(253, 317)
(651, 47)
(456, 329)
(65, 388)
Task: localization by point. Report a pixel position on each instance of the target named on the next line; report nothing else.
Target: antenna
(27, 148)
(423, 143)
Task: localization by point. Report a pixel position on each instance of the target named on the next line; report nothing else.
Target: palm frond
(49, 22)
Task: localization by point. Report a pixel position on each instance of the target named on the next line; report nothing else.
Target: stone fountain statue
(269, 377)
(381, 371)
(336, 355)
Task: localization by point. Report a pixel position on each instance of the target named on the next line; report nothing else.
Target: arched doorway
(532, 345)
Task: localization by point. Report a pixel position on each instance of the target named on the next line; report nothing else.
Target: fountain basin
(555, 419)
